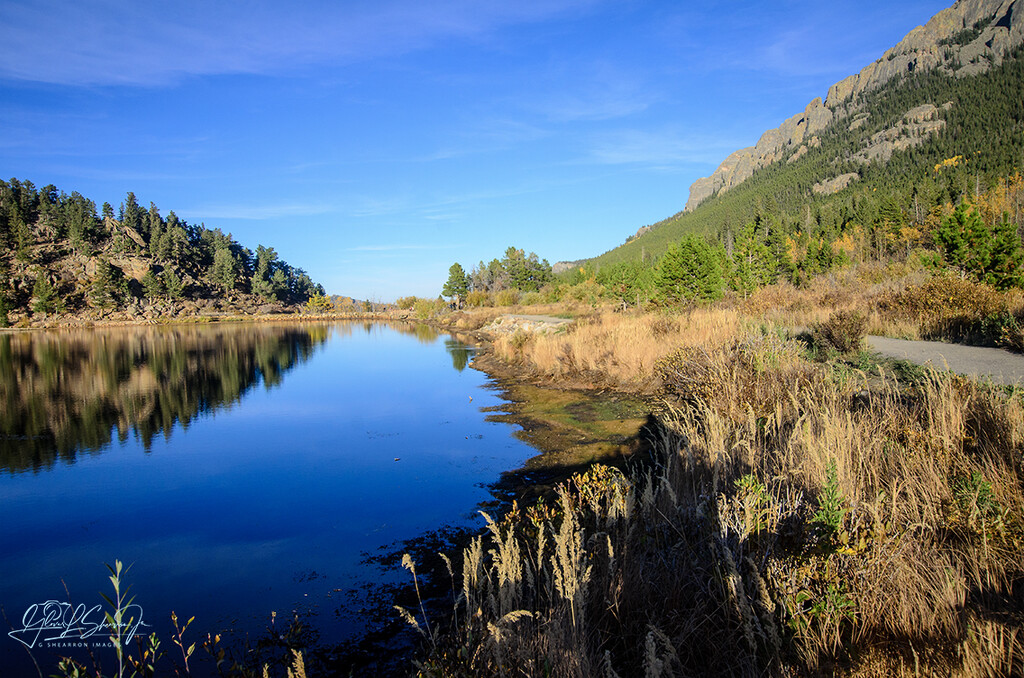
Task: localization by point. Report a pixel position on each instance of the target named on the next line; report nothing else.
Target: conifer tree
(153, 286)
(102, 293)
(457, 285)
(752, 262)
(173, 284)
(223, 273)
(991, 255)
(689, 271)
(44, 297)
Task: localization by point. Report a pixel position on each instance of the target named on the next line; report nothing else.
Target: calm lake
(241, 470)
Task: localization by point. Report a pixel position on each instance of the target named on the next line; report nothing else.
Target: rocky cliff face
(965, 39)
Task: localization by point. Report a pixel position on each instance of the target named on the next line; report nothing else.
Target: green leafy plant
(753, 496)
(831, 504)
(116, 620)
(976, 500)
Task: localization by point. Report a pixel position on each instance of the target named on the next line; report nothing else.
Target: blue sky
(373, 143)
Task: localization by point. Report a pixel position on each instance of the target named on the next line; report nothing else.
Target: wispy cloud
(600, 91)
(126, 42)
(658, 149)
(257, 212)
(397, 248)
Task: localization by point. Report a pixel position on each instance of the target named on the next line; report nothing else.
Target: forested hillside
(893, 168)
(61, 257)
(873, 186)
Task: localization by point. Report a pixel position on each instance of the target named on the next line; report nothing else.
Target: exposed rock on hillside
(830, 186)
(914, 129)
(965, 39)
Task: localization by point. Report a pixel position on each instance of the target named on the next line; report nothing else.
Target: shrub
(588, 292)
(319, 303)
(662, 325)
(478, 298)
(552, 293)
(406, 303)
(507, 298)
(424, 308)
(532, 299)
(956, 309)
(844, 332)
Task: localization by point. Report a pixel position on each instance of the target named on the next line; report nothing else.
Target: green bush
(424, 308)
(532, 299)
(588, 292)
(952, 308)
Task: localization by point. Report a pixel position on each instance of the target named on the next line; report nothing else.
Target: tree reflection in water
(64, 393)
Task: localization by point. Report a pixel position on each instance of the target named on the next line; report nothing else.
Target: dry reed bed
(796, 521)
(621, 350)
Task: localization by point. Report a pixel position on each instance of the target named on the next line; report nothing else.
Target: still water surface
(240, 470)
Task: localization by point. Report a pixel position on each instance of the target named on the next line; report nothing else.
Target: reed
(616, 349)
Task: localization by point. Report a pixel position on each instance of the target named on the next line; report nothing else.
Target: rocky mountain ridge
(965, 39)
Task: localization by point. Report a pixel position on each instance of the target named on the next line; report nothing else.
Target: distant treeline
(61, 255)
(978, 237)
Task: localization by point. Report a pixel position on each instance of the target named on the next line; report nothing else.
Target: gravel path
(547, 319)
(1002, 367)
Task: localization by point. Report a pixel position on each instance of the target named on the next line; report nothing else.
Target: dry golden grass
(796, 521)
(618, 349)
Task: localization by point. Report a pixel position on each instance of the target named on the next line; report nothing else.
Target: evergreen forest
(61, 256)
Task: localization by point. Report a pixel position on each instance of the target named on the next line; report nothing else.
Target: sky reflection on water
(269, 497)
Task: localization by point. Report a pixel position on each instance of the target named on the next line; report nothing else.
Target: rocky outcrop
(830, 186)
(772, 146)
(916, 126)
(965, 39)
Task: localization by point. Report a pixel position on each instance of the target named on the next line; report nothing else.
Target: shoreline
(816, 502)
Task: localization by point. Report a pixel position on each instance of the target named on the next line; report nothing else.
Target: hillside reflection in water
(240, 469)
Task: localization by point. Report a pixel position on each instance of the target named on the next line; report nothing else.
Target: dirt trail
(551, 320)
(999, 365)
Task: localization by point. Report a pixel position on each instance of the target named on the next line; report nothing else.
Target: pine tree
(752, 263)
(153, 286)
(990, 255)
(102, 292)
(457, 285)
(223, 272)
(44, 297)
(5, 304)
(689, 271)
(173, 284)
(261, 283)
